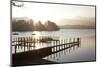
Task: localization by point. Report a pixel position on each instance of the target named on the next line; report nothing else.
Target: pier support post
(24, 44)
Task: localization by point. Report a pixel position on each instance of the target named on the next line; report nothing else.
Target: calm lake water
(85, 53)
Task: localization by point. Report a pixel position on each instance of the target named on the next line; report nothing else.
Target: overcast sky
(53, 12)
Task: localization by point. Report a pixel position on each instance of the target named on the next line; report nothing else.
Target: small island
(27, 24)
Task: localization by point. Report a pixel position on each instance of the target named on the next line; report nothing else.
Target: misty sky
(60, 14)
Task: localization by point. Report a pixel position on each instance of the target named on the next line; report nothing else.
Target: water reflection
(56, 56)
(83, 52)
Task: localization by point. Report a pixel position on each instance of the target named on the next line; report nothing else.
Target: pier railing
(24, 44)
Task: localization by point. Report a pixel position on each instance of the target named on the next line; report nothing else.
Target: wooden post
(31, 43)
(27, 43)
(34, 42)
(78, 42)
(73, 42)
(69, 44)
(59, 46)
(24, 43)
(15, 45)
(78, 39)
(64, 43)
(18, 43)
(37, 41)
(52, 47)
(69, 41)
(21, 43)
(56, 45)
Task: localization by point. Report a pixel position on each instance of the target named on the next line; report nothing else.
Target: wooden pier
(29, 44)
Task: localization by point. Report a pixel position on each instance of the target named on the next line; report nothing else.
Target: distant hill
(78, 21)
(76, 27)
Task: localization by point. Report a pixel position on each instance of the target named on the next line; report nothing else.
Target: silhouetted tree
(51, 26)
(39, 27)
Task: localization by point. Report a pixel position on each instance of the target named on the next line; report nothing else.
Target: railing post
(18, 43)
(28, 42)
(77, 39)
(52, 46)
(21, 43)
(69, 41)
(31, 42)
(78, 42)
(56, 45)
(34, 42)
(24, 43)
(69, 44)
(59, 45)
(74, 42)
(64, 43)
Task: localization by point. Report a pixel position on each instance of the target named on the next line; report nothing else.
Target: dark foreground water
(85, 53)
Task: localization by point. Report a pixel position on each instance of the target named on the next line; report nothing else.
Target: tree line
(30, 25)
